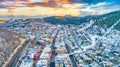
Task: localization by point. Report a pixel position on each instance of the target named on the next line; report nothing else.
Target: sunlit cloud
(35, 11)
(42, 7)
(56, 7)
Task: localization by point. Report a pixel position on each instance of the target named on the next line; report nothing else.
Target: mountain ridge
(77, 20)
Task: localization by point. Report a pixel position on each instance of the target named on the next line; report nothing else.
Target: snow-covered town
(85, 45)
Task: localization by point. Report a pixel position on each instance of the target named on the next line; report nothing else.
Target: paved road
(69, 51)
(16, 58)
(52, 61)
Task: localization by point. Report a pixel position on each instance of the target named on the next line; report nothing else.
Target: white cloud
(99, 4)
(97, 9)
(37, 1)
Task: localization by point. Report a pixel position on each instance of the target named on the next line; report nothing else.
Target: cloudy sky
(57, 7)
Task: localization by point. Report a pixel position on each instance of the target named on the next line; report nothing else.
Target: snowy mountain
(105, 20)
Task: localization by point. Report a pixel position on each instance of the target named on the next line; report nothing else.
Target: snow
(109, 30)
